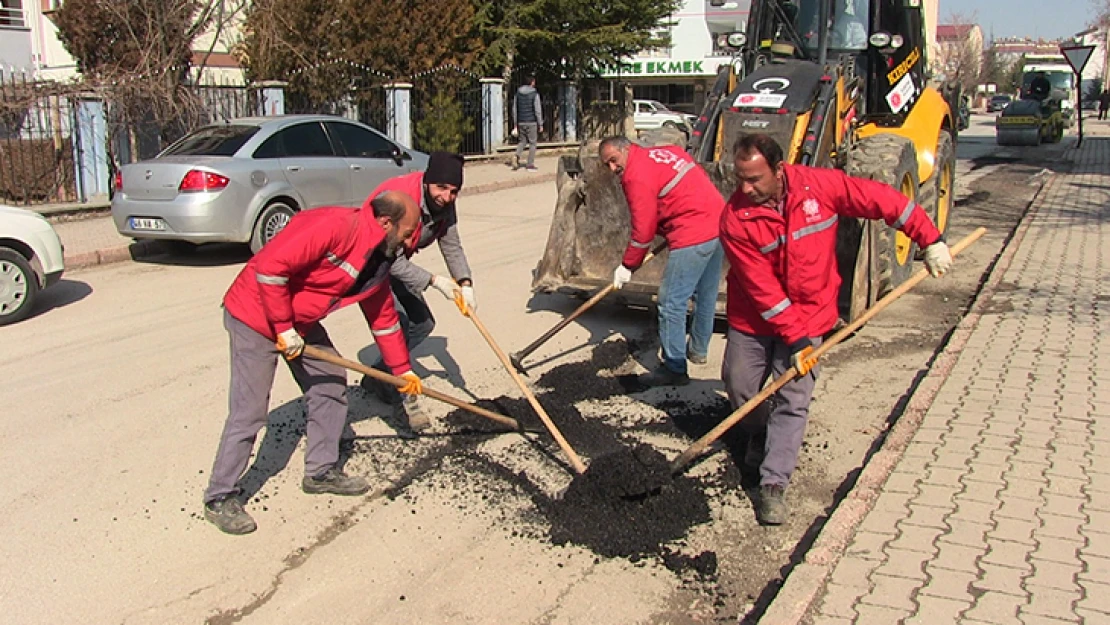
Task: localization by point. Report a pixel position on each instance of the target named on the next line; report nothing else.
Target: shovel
(699, 447)
(517, 358)
(381, 376)
(575, 461)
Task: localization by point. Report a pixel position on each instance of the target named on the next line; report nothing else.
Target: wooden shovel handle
(575, 461)
(381, 376)
(597, 297)
(699, 446)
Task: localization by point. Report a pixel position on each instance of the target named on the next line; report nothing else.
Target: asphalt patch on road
(626, 504)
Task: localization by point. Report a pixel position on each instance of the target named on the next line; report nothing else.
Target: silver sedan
(242, 181)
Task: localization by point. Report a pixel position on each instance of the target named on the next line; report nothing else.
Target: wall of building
(15, 37)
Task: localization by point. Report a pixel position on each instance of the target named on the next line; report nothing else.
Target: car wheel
(272, 220)
(19, 286)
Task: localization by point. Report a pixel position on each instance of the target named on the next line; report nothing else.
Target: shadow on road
(184, 255)
(64, 293)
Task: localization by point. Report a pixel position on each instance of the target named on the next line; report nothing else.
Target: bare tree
(960, 55)
(137, 55)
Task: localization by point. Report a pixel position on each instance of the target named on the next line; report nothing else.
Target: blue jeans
(695, 272)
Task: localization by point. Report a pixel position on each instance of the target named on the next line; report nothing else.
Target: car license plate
(147, 223)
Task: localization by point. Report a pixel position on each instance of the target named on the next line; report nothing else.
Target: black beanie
(444, 168)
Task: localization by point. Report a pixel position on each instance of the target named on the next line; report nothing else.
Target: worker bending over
(323, 260)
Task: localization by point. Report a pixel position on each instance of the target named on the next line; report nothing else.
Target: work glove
(802, 357)
(621, 276)
(446, 286)
(938, 260)
(464, 299)
(290, 344)
(412, 386)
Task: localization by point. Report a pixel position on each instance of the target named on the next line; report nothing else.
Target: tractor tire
(943, 184)
(273, 218)
(892, 160)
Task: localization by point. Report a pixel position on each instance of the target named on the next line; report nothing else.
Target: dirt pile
(626, 505)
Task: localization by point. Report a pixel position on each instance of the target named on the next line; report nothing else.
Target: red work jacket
(669, 194)
(783, 279)
(309, 270)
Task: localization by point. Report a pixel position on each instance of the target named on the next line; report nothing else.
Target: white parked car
(652, 115)
(30, 261)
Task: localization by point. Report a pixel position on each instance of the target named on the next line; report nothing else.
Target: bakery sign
(668, 67)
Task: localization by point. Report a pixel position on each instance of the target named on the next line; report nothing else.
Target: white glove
(468, 297)
(938, 260)
(621, 276)
(290, 343)
(445, 285)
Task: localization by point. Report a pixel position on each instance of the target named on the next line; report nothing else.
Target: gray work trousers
(749, 360)
(253, 362)
(529, 133)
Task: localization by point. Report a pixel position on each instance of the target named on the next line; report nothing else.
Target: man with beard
(435, 191)
(779, 234)
(323, 260)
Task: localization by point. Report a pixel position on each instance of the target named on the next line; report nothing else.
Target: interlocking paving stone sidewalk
(999, 510)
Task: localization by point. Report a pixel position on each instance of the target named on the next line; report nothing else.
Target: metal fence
(38, 145)
(366, 105)
(447, 110)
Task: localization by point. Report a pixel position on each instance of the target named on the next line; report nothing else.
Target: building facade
(29, 43)
(680, 74)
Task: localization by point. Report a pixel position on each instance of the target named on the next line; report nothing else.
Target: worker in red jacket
(435, 191)
(323, 260)
(670, 195)
(779, 235)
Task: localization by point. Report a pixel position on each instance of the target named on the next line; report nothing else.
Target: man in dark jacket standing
(1103, 104)
(778, 231)
(435, 190)
(528, 119)
(325, 259)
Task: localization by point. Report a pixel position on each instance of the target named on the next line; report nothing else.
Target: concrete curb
(144, 249)
(806, 581)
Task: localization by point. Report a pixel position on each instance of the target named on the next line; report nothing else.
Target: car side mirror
(398, 156)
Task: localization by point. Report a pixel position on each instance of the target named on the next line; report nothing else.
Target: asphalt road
(116, 395)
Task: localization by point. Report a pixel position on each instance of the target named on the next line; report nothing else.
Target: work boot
(414, 414)
(228, 515)
(662, 376)
(697, 359)
(772, 504)
(335, 482)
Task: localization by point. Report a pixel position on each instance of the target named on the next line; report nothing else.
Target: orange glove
(412, 386)
(803, 358)
(290, 344)
(460, 301)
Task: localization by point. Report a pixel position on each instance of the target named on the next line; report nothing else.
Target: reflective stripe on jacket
(308, 271)
(783, 279)
(668, 194)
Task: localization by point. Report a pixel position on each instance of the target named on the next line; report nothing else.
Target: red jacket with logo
(309, 270)
(783, 279)
(669, 194)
